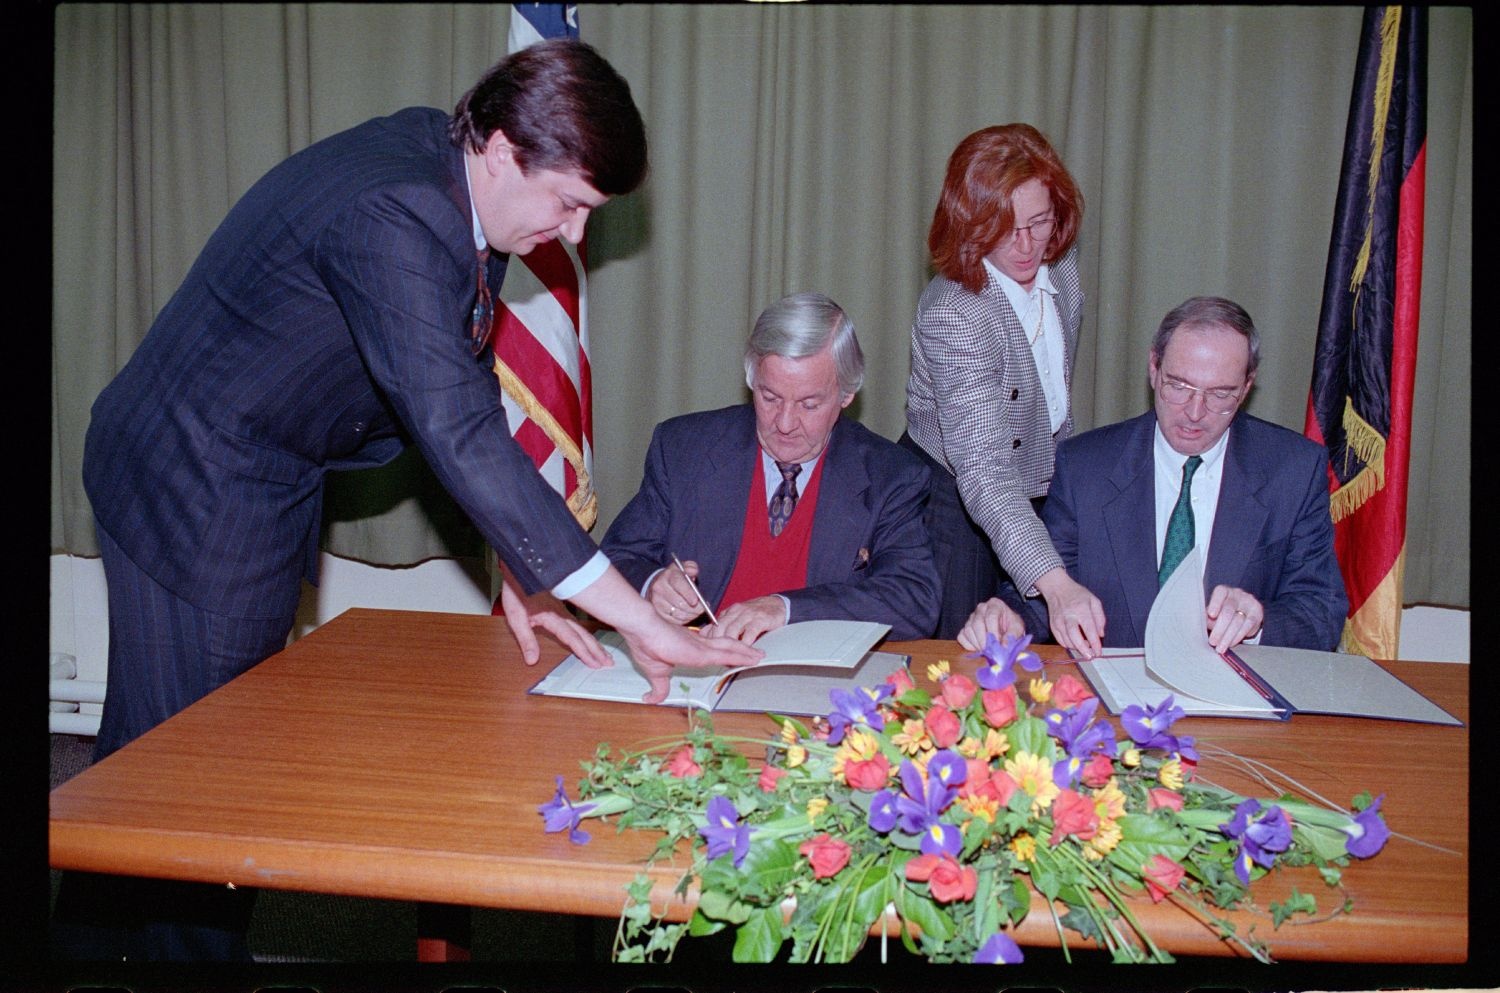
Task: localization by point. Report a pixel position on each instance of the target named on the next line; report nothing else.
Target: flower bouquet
(947, 810)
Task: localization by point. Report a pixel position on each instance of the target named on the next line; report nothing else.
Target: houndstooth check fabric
(974, 402)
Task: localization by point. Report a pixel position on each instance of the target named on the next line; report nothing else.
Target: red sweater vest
(765, 564)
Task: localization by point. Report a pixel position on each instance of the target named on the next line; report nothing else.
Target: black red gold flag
(1365, 362)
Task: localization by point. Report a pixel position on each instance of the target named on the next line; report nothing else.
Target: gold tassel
(1369, 445)
(583, 503)
(1390, 36)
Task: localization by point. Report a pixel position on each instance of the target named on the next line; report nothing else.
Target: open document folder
(803, 662)
(1249, 681)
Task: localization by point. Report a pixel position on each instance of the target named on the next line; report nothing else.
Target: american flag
(541, 339)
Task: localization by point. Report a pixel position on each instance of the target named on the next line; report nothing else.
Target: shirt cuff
(582, 578)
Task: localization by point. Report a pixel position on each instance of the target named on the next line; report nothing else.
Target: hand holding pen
(675, 596)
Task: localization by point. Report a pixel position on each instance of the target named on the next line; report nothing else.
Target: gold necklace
(1041, 319)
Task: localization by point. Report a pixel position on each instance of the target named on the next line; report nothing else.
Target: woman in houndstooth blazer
(992, 351)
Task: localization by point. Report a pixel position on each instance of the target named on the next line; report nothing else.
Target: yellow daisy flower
(1131, 758)
(1109, 801)
(816, 806)
(1033, 775)
(996, 744)
(968, 748)
(1041, 690)
(795, 756)
(913, 737)
(982, 807)
(938, 671)
(1104, 840)
(1170, 774)
(1023, 846)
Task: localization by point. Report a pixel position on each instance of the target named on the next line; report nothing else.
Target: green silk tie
(1180, 534)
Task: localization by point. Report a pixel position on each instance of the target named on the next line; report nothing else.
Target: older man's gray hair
(803, 324)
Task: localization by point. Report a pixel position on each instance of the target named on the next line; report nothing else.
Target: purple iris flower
(1080, 738)
(560, 814)
(724, 832)
(1368, 833)
(918, 807)
(883, 811)
(1261, 836)
(861, 706)
(1001, 949)
(1001, 656)
(1150, 727)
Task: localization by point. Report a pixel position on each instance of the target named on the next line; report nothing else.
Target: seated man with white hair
(781, 509)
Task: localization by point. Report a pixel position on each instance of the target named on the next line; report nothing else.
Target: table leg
(444, 933)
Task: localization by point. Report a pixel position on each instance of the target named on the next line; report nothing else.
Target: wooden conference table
(397, 755)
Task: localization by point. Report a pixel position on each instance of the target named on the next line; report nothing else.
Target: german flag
(1365, 363)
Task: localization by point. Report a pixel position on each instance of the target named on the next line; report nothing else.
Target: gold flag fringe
(1390, 35)
(583, 503)
(1369, 445)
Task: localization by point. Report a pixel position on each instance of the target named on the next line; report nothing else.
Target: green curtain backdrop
(793, 148)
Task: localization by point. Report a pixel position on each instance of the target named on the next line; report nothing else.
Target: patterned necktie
(784, 501)
(1180, 534)
(482, 323)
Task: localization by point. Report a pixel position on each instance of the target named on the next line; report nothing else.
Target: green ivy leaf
(1324, 842)
(1297, 903)
(760, 937)
(1029, 734)
(924, 913)
(1144, 835)
(699, 925)
(721, 906)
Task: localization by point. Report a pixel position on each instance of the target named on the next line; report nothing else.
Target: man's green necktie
(1180, 536)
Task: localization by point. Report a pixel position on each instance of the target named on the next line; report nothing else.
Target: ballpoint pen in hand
(702, 602)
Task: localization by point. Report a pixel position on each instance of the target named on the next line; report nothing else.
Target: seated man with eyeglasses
(1256, 506)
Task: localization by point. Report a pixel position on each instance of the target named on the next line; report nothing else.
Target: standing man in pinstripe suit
(341, 311)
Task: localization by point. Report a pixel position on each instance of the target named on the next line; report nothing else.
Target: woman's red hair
(975, 212)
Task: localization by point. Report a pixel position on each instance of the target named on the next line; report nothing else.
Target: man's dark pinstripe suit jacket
(324, 325)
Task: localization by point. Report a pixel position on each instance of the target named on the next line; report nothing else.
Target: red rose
(958, 691)
(680, 763)
(868, 774)
(900, 681)
(1162, 876)
(1069, 691)
(943, 725)
(1000, 706)
(769, 776)
(1005, 785)
(1162, 797)
(1098, 770)
(947, 880)
(977, 779)
(827, 855)
(1073, 813)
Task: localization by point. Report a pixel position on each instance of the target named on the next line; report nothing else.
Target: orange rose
(868, 774)
(827, 854)
(947, 880)
(1075, 814)
(1000, 706)
(958, 691)
(1069, 692)
(680, 763)
(1162, 876)
(943, 725)
(769, 776)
